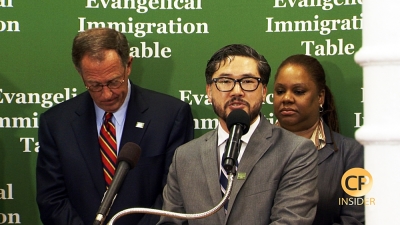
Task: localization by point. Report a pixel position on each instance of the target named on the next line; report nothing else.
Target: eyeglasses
(113, 84)
(226, 84)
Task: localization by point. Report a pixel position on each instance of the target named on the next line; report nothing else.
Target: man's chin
(109, 107)
(235, 107)
(230, 108)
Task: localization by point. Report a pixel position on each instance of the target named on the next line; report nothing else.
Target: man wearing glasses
(276, 172)
(80, 138)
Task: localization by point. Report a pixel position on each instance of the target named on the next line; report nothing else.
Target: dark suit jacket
(70, 182)
(331, 167)
(280, 185)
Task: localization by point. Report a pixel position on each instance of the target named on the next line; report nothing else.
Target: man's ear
(129, 65)
(264, 91)
(209, 92)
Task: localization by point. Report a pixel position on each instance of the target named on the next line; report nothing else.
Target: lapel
(328, 150)
(210, 163)
(85, 130)
(258, 145)
(136, 120)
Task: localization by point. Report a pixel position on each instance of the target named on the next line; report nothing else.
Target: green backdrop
(171, 41)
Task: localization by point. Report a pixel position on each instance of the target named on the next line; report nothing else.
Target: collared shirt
(223, 137)
(318, 136)
(118, 118)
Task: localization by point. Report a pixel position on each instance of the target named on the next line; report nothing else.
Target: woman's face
(296, 99)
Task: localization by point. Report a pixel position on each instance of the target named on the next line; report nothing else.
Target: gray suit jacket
(280, 186)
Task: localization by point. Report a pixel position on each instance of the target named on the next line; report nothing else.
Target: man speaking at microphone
(81, 138)
(276, 170)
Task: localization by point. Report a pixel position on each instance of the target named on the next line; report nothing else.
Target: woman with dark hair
(304, 105)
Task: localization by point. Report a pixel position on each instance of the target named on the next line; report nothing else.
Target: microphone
(238, 123)
(127, 159)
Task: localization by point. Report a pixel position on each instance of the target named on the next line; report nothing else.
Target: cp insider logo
(357, 182)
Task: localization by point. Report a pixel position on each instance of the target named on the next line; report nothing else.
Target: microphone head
(129, 153)
(238, 116)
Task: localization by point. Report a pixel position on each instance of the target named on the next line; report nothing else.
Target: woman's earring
(321, 109)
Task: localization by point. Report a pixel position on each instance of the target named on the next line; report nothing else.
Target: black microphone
(127, 159)
(238, 123)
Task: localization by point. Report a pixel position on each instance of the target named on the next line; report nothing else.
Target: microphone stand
(178, 215)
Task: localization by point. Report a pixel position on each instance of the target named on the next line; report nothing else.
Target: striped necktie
(108, 148)
(223, 179)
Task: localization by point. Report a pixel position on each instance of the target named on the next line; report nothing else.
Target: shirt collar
(223, 135)
(318, 136)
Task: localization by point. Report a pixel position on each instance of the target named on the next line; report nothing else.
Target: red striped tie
(108, 148)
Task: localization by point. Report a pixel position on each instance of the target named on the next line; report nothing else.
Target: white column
(380, 134)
